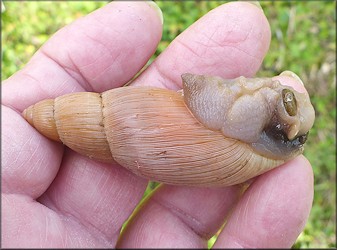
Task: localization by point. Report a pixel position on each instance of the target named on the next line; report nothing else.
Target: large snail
(214, 132)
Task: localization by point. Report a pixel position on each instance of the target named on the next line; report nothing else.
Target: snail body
(205, 135)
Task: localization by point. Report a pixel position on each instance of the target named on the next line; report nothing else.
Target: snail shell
(216, 132)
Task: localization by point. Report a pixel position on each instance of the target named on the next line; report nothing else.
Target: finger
(249, 208)
(178, 217)
(291, 80)
(28, 224)
(274, 209)
(40, 156)
(100, 51)
(229, 41)
(29, 160)
(98, 196)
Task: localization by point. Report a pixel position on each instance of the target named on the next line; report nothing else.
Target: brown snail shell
(215, 132)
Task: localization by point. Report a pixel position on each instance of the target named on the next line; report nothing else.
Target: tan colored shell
(151, 132)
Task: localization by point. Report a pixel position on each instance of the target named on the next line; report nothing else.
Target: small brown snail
(215, 132)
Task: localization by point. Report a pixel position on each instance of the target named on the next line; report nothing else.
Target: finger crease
(85, 224)
(73, 73)
(164, 78)
(185, 218)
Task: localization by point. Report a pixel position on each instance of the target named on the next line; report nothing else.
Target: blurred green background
(303, 41)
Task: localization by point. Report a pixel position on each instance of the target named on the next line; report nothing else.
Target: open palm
(54, 197)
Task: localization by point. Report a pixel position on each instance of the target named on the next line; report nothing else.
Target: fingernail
(293, 75)
(256, 3)
(154, 6)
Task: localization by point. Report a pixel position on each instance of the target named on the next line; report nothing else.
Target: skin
(53, 197)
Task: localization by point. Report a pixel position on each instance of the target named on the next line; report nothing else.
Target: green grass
(303, 40)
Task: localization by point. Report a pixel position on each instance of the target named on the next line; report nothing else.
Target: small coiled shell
(215, 132)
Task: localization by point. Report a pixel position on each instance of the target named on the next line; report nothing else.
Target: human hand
(54, 197)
